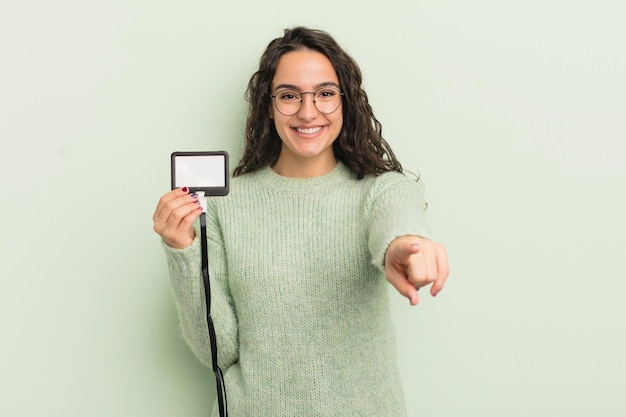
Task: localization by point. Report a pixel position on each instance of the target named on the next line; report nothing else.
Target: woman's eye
(288, 96)
(326, 93)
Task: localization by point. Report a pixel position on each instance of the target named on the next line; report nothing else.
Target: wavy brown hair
(360, 144)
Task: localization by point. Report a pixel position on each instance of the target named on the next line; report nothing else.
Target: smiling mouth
(309, 131)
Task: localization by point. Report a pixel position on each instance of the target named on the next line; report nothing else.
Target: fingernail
(197, 201)
(185, 190)
(194, 195)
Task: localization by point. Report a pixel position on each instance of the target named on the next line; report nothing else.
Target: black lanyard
(219, 376)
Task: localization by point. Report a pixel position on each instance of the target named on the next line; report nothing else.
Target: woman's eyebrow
(318, 86)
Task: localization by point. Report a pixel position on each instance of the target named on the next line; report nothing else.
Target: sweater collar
(268, 177)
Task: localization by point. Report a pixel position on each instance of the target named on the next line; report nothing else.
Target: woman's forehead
(304, 69)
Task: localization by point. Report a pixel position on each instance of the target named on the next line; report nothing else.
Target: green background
(513, 112)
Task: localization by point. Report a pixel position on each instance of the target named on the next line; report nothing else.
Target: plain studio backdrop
(512, 112)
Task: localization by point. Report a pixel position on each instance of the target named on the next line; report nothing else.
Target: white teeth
(309, 131)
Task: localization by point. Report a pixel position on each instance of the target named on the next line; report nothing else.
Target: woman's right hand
(174, 216)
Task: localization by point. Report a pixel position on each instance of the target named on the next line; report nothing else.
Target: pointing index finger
(443, 269)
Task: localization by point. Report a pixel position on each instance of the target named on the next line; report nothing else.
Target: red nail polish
(185, 190)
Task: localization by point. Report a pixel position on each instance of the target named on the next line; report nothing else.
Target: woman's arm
(173, 219)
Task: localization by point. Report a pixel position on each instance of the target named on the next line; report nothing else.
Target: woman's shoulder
(393, 179)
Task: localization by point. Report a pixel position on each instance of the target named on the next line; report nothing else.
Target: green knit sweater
(300, 301)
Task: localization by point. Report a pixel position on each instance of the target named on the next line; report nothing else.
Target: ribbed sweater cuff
(186, 261)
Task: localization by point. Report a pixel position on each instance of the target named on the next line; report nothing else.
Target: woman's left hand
(412, 262)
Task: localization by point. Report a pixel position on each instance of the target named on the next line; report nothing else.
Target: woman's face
(307, 136)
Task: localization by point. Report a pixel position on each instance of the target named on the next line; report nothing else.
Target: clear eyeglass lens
(326, 100)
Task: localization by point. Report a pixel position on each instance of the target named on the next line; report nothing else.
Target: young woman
(318, 215)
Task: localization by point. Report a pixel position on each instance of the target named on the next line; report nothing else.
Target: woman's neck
(304, 167)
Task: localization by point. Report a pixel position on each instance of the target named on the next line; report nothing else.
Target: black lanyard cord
(219, 376)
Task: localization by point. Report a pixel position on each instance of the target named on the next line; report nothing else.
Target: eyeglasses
(289, 102)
